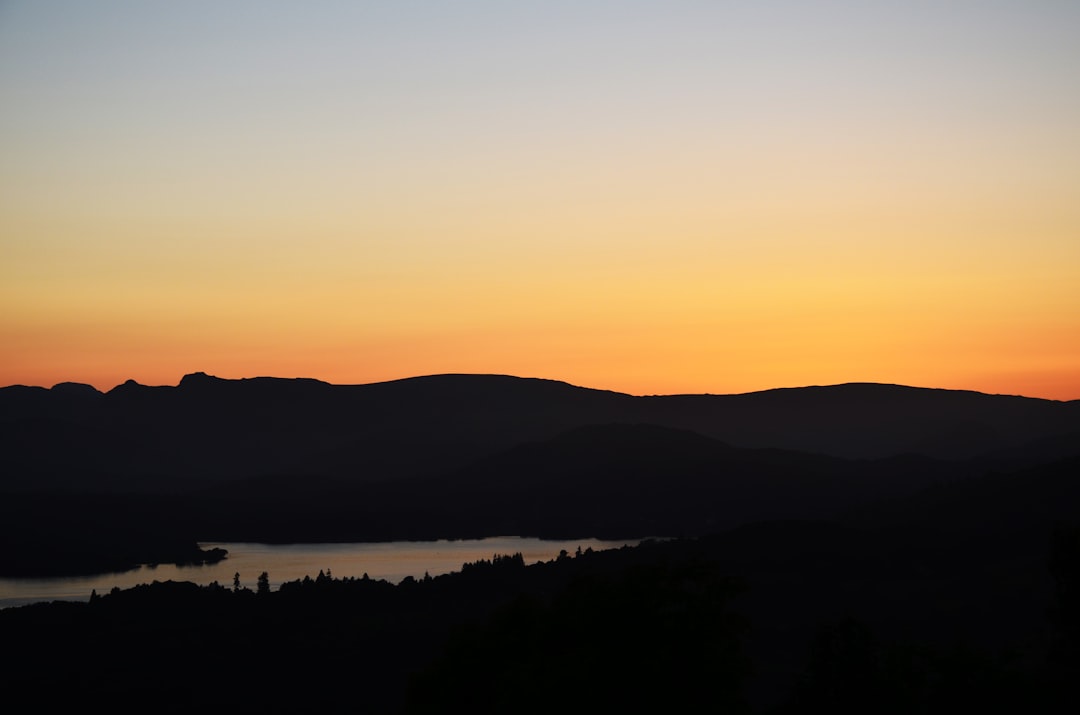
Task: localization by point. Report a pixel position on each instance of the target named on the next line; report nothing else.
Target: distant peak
(75, 389)
(129, 386)
(197, 379)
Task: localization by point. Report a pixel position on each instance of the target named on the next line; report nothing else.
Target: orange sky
(652, 198)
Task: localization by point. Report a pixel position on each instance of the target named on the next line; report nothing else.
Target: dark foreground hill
(782, 617)
(207, 430)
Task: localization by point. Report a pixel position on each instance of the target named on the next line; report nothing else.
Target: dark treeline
(727, 623)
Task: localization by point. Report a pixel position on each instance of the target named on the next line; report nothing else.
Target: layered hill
(94, 480)
(207, 430)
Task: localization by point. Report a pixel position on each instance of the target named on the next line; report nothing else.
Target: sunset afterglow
(645, 197)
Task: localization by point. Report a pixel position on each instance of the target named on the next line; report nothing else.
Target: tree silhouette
(646, 639)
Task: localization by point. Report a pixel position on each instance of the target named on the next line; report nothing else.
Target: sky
(650, 197)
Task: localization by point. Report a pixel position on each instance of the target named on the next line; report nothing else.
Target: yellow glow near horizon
(706, 200)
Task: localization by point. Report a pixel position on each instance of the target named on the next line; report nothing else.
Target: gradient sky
(650, 197)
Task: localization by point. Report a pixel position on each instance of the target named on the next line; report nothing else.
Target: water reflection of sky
(391, 561)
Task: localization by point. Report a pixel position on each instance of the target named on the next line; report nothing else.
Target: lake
(391, 561)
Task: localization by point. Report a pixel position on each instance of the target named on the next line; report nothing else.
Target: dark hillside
(207, 430)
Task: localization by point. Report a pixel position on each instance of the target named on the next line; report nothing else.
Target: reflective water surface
(391, 561)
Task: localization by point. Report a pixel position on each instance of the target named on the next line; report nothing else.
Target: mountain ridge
(208, 429)
(200, 378)
(458, 455)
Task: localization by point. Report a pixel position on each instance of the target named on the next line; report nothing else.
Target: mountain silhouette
(869, 529)
(458, 456)
(208, 429)
(641, 479)
(614, 480)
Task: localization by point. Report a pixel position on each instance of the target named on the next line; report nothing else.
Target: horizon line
(852, 383)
